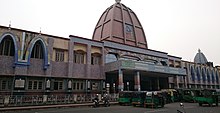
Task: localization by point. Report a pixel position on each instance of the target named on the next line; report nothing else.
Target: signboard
(128, 64)
(19, 83)
(125, 64)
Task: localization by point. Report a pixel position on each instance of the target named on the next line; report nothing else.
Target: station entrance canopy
(144, 67)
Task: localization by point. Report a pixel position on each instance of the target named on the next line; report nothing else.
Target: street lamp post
(128, 86)
(114, 88)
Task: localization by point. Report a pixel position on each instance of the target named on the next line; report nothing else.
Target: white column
(137, 85)
(120, 80)
(158, 83)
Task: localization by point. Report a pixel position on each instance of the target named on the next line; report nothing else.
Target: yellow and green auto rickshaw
(170, 95)
(154, 99)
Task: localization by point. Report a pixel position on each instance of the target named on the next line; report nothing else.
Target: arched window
(208, 75)
(193, 74)
(37, 51)
(217, 77)
(203, 75)
(96, 59)
(198, 73)
(79, 57)
(213, 76)
(7, 47)
(110, 58)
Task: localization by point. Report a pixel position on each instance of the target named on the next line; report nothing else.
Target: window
(126, 57)
(171, 63)
(129, 31)
(74, 85)
(203, 75)
(177, 64)
(81, 86)
(217, 77)
(30, 85)
(55, 85)
(59, 55)
(5, 85)
(193, 74)
(110, 58)
(213, 76)
(96, 59)
(198, 73)
(164, 63)
(40, 85)
(79, 57)
(78, 85)
(58, 85)
(37, 51)
(208, 75)
(35, 85)
(7, 47)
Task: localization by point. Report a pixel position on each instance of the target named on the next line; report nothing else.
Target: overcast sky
(178, 27)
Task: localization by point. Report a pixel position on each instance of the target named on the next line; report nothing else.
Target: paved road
(169, 108)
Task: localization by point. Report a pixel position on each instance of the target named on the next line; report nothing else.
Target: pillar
(158, 83)
(120, 80)
(185, 82)
(137, 83)
(177, 81)
(70, 59)
(88, 61)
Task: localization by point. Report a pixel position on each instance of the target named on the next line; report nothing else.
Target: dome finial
(117, 1)
(199, 51)
(9, 26)
(40, 31)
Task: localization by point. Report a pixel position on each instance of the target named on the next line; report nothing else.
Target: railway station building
(116, 58)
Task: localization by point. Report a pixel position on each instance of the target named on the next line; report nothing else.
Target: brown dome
(120, 24)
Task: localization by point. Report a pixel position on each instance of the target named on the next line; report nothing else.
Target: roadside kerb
(50, 106)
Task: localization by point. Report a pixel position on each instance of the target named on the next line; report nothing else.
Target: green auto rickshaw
(125, 97)
(208, 97)
(154, 99)
(138, 98)
(188, 95)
